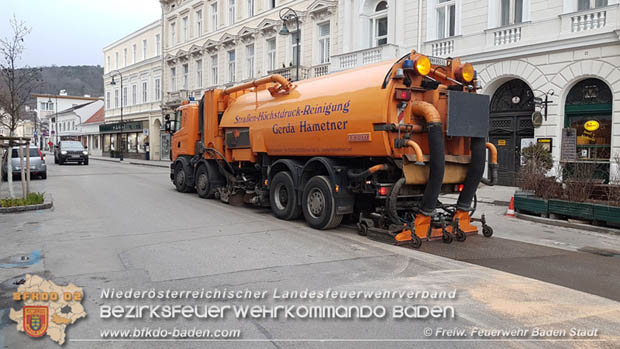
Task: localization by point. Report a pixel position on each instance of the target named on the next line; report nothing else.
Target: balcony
(320, 70)
(291, 72)
(506, 35)
(362, 57)
(590, 20)
(442, 48)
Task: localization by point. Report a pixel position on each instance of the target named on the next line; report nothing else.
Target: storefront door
(165, 146)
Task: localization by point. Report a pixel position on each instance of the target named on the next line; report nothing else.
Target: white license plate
(438, 61)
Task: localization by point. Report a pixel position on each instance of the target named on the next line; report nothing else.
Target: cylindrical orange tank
(332, 115)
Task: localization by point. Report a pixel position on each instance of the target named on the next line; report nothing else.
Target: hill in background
(77, 80)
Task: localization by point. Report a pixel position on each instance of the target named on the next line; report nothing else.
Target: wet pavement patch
(600, 251)
(22, 260)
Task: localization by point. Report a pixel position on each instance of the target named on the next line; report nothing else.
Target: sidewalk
(496, 195)
(155, 163)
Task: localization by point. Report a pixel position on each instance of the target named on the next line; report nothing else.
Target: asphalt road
(125, 227)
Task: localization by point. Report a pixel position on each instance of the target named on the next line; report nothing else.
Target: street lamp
(55, 119)
(284, 31)
(122, 124)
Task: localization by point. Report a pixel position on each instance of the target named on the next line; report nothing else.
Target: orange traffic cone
(511, 208)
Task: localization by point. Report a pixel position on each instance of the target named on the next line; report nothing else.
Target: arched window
(379, 25)
(588, 111)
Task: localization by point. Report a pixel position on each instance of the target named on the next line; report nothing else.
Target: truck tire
(204, 188)
(318, 204)
(283, 197)
(180, 179)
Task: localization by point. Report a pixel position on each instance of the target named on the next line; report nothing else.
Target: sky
(74, 32)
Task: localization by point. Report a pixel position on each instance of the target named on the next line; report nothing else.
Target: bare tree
(16, 84)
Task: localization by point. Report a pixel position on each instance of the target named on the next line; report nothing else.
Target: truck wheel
(318, 204)
(180, 179)
(283, 197)
(203, 187)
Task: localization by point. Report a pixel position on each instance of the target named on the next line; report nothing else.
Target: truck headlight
(63, 152)
(85, 152)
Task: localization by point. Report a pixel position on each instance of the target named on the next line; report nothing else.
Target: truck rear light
(402, 95)
(384, 190)
(458, 187)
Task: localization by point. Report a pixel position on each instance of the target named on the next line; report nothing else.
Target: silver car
(37, 163)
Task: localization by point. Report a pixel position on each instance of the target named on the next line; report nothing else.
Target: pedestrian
(147, 150)
(50, 144)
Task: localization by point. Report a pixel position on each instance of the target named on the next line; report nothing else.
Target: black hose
(392, 202)
(475, 172)
(493, 175)
(437, 166)
(358, 177)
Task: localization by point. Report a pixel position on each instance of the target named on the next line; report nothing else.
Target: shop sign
(501, 142)
(591, 125)
(547, 143)
(134, 126)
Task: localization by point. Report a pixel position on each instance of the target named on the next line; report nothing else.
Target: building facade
(217, 43)
(133, 91)
(48, 105)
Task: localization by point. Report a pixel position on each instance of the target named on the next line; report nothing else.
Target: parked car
(37, 163)
(70, 151)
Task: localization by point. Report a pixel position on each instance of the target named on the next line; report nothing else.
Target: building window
(157, 44)
(379, 25)
(214, 16)
(294, 46)
(198, 23)
(250, 60)
(199, 73)
(590, 4)
(250, 8)
(115, 98)
(214, 70)
(324, 43)
(134, 94)
(231, 65)
(116, 60)
(173, 79)
(134, 53)
(124, 96)
(231, 12)
(109, 65)
(125, 60)
(173, 34)
(144, 92)
(511, 12)
(446, 18)
(157, 89)
(271, 54)
(43, 106)
(144, 49)
(271, 4)
(107, 100)
(185, 75)
(185, 37)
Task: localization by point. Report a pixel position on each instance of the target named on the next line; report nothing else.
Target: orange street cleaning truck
(377, 145)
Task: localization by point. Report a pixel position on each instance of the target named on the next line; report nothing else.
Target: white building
(223, 42)
(521, 49)
(133, 87)
(48, 105)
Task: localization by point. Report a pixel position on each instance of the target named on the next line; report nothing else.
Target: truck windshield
(178, 119)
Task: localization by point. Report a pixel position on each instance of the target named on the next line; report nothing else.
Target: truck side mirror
(167, 126)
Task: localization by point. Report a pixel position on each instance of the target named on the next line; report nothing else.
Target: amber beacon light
(423, 65)
(466, 73)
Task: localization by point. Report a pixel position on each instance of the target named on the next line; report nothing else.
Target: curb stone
(565, 224)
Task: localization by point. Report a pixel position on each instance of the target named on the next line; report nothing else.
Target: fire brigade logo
(36, 319)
